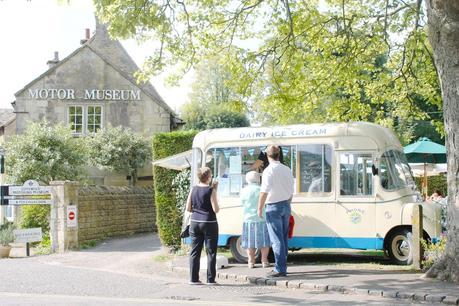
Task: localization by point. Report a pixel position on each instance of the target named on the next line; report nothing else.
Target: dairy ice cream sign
(86, 94)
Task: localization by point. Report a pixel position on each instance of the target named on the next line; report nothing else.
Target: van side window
(314, 168)
(356, 177)
(230, 165)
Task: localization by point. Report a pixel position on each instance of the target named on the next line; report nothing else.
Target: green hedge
(168, 216)
(433, 183)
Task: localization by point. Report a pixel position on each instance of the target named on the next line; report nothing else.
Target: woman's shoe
(251, 265)
(265, 264)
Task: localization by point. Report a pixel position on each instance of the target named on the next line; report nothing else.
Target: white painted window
(85, 119)
(94, 115)
(76, 119)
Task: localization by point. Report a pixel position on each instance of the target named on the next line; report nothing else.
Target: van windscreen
(394, 171)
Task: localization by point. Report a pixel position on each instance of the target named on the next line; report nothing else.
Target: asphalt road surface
(128, 272)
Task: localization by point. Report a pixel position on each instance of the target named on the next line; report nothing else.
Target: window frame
(406, 182)
(297, 176)
(373, 182)
(85, 118)
(88, 115)
(69, 122)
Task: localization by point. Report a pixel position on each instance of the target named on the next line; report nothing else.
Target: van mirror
(374, 170)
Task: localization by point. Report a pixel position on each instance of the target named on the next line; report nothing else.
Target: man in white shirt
(276, 193)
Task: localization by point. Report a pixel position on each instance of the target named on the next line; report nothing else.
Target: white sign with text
(27, 235)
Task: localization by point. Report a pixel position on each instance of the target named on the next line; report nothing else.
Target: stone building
(92, 88)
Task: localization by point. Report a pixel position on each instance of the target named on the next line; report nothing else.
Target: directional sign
(29, 193)
(29, 202)
(30, 187)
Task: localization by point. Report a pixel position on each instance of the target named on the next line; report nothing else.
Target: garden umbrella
(425, 151)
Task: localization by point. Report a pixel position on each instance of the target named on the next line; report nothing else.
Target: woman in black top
(202, 203)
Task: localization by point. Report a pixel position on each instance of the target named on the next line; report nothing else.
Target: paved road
(128, 272)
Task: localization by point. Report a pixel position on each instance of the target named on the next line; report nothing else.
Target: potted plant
(6, 237)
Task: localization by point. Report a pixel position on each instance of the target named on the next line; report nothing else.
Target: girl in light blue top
(254, 230)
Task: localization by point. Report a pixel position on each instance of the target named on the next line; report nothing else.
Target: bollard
(417, 231)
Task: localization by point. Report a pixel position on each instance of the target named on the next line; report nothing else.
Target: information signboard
(27, 235)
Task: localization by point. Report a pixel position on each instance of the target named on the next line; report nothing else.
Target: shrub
(432, 252)
(6, 234)
(168, 215)
(181, 186)
(119, 149)
(36, 216)
(433, 183)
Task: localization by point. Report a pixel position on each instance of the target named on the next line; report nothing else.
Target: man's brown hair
(273, 152)
(204, 174)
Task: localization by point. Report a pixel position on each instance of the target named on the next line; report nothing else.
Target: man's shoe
(194, 283)
(273, 274)
(212, 284)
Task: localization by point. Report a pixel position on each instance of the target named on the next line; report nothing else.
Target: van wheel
(240, 254)
(400, 247)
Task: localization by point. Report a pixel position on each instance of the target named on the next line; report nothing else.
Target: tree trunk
(443, 21)
(133, 181)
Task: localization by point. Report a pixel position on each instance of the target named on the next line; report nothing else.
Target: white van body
(339, 200)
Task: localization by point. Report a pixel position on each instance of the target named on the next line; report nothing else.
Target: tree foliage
(44, 153)
(213, 102)
(298, 61)
(119, 149)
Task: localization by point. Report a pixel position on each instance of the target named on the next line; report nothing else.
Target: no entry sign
(72, 216)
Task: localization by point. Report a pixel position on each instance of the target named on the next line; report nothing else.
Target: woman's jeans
(277, 220)
(200, 233)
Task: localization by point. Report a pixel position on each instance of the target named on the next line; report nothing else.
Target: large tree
(443, 18)
(297, 61)
(309, 61)
(213, 102)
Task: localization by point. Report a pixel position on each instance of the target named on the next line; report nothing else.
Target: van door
(355, 222)
(313, 205)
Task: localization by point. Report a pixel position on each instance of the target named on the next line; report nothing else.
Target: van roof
(382, 136)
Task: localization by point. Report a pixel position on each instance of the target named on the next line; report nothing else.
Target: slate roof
(6, 116)
(112, 52)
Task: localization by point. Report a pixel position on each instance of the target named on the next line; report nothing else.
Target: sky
(31, 31)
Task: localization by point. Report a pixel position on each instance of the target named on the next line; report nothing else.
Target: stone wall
(107, 211)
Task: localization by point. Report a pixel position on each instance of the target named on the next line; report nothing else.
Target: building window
(85, 119)
(76, 119)
(94, 119)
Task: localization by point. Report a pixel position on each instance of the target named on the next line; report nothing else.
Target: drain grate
(181, 298)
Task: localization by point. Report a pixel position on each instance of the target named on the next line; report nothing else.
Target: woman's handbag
(185, 232)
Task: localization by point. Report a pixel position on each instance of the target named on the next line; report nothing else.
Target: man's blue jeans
(277, 220)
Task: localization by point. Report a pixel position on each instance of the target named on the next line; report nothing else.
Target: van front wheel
(400, 247)
(240, 254)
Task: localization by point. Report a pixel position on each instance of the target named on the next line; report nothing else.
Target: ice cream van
(353, 186)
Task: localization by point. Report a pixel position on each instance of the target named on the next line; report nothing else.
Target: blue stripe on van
(223, 240)
(336, 242)
(320, 242)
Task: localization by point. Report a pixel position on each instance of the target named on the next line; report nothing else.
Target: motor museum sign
(86, 94)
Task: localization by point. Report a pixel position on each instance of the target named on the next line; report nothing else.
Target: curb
(297, 284)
